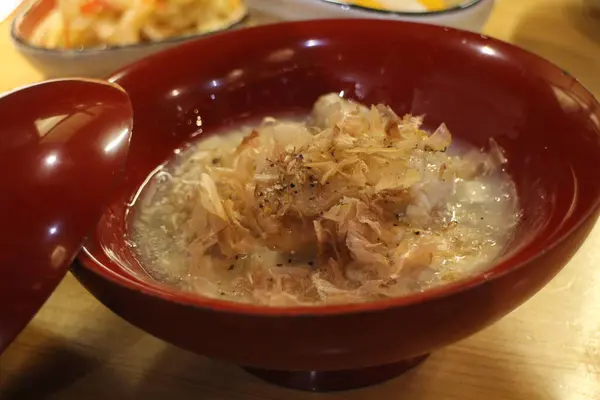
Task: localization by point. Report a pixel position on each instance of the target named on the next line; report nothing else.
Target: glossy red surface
(62, 145)
(481, 88)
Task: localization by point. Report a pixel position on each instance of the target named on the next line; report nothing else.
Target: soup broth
(351, 204)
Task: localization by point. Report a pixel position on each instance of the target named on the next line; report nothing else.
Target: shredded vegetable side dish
(350, 204)
(80, 24)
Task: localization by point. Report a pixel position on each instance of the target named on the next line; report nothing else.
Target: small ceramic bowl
(93, 62)
(545, 120)
(470, 15)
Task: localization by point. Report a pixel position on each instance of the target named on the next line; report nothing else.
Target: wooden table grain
(547, 349)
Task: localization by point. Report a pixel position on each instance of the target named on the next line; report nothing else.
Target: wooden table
(547, 349)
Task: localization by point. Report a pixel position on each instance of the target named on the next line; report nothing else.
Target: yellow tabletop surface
(549, 348)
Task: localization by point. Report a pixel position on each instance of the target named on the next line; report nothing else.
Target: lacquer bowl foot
(326, 381)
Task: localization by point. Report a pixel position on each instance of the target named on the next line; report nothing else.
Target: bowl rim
(67, 79)
(21, 42)
(463, 6)
(499, 269)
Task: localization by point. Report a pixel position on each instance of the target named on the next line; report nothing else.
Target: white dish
(471, 15)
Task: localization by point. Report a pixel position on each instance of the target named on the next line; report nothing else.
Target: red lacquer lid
(63, 144)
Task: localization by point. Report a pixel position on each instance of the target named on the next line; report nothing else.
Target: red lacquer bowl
(481, 88)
